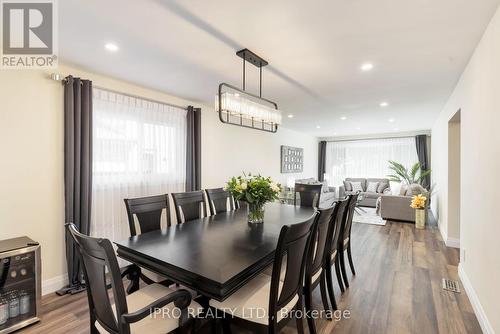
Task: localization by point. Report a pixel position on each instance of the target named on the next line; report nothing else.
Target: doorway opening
(454, 181)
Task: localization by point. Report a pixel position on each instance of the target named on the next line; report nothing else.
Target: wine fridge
(20, 286)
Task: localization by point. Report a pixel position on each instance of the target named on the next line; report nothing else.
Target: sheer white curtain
(367, 158)
(139, 149)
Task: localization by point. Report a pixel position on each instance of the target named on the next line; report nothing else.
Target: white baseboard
(474, 300)
(53, 284)
(444, 235)
(452, 242)
(449, 242)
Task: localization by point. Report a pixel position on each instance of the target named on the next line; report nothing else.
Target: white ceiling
(315, 48)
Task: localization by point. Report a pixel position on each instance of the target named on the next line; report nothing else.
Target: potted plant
(418, 203)
(415, 175)
(256, 191)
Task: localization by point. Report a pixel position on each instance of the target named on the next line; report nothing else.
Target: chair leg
(324, 294)
(308, 304)
(350, 259)
(342, 267)
(339, 276)
(93, 328)
(298, 319)
(226, 325)
(331, 293)
(214, 325)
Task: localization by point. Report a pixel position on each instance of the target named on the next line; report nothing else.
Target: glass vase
(255, 213)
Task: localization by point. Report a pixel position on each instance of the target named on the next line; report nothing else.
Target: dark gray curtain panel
(423, 157)
(193, 149)
(77, 168)
(321, 160)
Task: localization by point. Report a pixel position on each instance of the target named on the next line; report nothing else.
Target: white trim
(452, 242)
(449, 242)
(53, 284)
(474, 300)
(444, 235)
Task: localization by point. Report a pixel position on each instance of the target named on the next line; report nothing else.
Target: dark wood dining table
(214, 255)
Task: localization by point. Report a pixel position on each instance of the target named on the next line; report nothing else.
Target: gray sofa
(369, 198)
(327, 193)
(397, 207)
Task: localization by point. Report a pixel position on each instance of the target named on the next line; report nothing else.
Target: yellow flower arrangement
(418, 202)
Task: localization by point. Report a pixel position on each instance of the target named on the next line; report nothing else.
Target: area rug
(368, 217)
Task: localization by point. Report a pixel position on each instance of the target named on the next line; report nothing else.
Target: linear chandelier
(238, 107)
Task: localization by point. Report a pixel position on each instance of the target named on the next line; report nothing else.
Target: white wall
(31, 167)
(477, 95)
(229, 150)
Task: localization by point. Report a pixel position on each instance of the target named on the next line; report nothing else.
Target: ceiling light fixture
(391, 120)
(238, 107)
(111, 47)
(367, 67)
(290, 116)
(395, 129)
(343, 118)
(384, 104)
(318, 127)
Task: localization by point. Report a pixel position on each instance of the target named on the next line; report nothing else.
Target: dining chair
(309, 194)
(274, 297)
(345, 241)
(189, 205)
(338, 218)
(315, 273)
(220, 200)
(148, 211)
(128, 313)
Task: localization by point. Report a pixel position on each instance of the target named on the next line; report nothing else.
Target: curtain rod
(365, 139)
(58, 77)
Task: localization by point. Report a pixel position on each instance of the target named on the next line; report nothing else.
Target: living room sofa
(369, 198)
(397, 207)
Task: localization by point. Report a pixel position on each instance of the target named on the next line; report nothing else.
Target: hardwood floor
(397, 289)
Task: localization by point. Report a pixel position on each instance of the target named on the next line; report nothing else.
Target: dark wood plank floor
(397, 289)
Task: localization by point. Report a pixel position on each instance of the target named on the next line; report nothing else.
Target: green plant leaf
(413, 172)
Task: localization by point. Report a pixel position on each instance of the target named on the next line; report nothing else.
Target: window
(367, 158)
(139, 149)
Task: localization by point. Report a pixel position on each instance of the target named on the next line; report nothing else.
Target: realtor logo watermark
(29, 34)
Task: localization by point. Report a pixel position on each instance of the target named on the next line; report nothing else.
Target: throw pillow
(356, 186)
(372, 187)
(382, 186)
(347, 186)
(415, 189)
(403, 190)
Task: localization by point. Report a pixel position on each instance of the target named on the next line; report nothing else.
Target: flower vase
(255, 213)
(420, 218)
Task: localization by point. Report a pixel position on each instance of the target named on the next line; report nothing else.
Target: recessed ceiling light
(343, 118)
(396, 129)
(290, 116)
(358, 128)
(367, 67)
(318, 127)
(335, 133)
(111, 47)
(391, 120)
(383, 104)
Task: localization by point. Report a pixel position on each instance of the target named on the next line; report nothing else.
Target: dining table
(214, 255)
